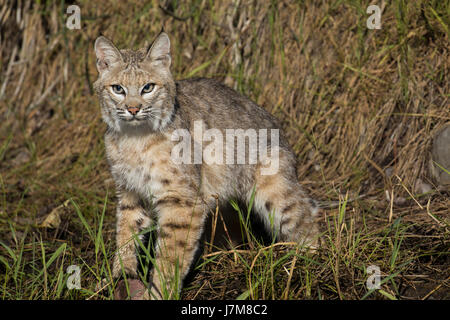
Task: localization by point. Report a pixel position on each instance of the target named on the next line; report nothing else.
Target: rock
(440, 155)
(21, 158)
(389, 171)
(422, 187)
(399, 201)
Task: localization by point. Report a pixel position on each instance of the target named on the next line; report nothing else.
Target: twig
(374, 165)
(225, 252)
(410, 194)
(45, 94)
(99, 290)
(391, 211)
(86, 71)
(198, 291)
(432, 216)
(8, 71)
(256, 257)
(225, 228)
(170, 13)
(291, 272)
(214, 225)
(435, 289)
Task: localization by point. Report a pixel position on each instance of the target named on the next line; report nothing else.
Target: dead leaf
(53, 219)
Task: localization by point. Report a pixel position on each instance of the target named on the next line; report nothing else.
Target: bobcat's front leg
(131, 219)
(180, 227)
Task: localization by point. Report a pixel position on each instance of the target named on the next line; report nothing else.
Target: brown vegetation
(359, 106)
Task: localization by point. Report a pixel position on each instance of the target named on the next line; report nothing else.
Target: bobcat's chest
(134, 178)
(136, 165)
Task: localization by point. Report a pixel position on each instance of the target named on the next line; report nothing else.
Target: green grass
(37, 269)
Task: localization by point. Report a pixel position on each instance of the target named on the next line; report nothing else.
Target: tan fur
(139, 153)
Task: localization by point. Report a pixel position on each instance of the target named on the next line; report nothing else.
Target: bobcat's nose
(134, 109)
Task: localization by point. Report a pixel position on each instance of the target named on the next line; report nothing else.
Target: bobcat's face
(135, 88)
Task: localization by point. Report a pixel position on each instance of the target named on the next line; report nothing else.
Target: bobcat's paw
(136, 290)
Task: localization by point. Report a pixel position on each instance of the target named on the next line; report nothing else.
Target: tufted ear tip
(98, 41)
(160, 49)
(107, 54)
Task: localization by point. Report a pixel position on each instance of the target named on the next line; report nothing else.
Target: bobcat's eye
(118, 89)
(148, 88)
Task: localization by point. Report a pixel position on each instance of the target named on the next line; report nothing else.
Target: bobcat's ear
(107, 54)
(159, 50)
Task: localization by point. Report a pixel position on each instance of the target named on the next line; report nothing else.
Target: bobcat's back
(220, 106)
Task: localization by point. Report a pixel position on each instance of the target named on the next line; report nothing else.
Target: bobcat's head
(135, 88)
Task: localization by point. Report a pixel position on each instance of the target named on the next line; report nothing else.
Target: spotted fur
(139, 153)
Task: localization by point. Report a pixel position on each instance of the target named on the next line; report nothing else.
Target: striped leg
(131, 219)
(285, 209)
(180, 228)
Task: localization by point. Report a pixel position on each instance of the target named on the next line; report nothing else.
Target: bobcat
(144, 108)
